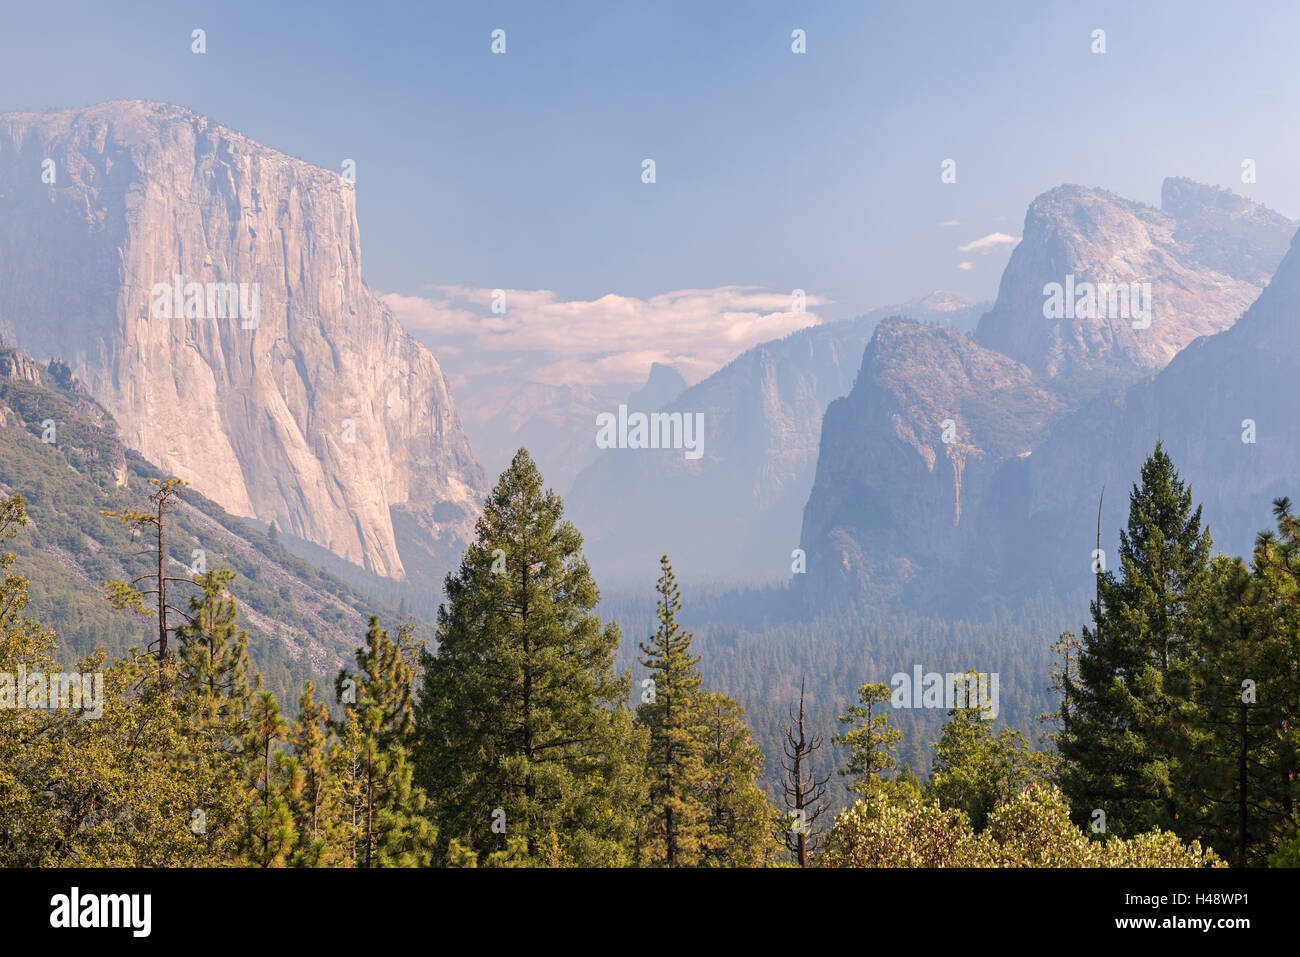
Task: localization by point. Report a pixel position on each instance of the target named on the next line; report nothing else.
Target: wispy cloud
(951, 222)
(966, 265)
(607, 342)
(991, 241)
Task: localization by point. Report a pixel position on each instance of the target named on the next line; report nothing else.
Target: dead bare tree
(804, 793)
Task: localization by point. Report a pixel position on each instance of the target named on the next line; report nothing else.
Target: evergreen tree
(741, 824)
(87, 789)
(1239, 695)
(317, 807)
(523, 724)
(269, 833)
(388, 811)
(122, 594)
(974, 769)
(212, 680)
(676, 815)
(871, 743)
(1122, 746)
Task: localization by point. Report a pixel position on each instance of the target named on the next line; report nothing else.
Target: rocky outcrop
(310, 407)
(662, 386)
(17, 367)
(1225, 411)
(733, 515)
(909, 453)
(1039, 406)
(1205, 255)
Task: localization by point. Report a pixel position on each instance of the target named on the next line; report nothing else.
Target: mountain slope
(917, 441)
(304, 623)
(310, 406)
(1198, 406)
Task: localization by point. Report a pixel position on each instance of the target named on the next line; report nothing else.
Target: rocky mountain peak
(1102, 290)
(662, 385)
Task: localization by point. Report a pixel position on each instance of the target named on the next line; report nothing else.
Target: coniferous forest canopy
(512, 736)
(763, 437)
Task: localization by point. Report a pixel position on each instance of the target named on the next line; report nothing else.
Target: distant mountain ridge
(952, 453)
(1225, 410)
(733, 516)
(1206, 255)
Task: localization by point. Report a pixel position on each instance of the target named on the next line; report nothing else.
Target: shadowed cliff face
(733, 514)
(1224, 409)
(317, 411)
(910, 452)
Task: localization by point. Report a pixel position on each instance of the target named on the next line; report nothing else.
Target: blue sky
(775, 170)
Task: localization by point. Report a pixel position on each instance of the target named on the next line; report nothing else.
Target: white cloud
(966, 265)
(607, 342)
(991, 241)
(951, 222)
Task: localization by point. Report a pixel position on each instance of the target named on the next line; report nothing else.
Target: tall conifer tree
(741, 824)
(677, 816)
(526, 744)
(388, 811)
(1122, 745)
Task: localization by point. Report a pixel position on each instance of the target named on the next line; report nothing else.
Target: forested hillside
(60, 450)
(532, 731)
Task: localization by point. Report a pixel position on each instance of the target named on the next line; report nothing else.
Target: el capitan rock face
(326, 418)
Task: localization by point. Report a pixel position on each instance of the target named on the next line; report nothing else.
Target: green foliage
(1031, 828)
(390, 826)
(269, 835)
(317, 804)
(1184, 712)
(671, 713)
(741, 825)
(522, 718)
(975, 769)
(1121, 744)
(72, 490)
(871, 742)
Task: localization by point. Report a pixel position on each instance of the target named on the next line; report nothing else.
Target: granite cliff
(1037, 405)
(309, 406)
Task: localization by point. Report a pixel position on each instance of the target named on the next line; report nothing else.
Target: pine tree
(741, 824)
(522, 720)
(672, 715)
(872, 743)
(212, 671)
(317, 808)
(974, 769)
(1239, 695)
(1122, 746)
(269, 834)
(128, 594)
(389, 822)
(90, 793)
